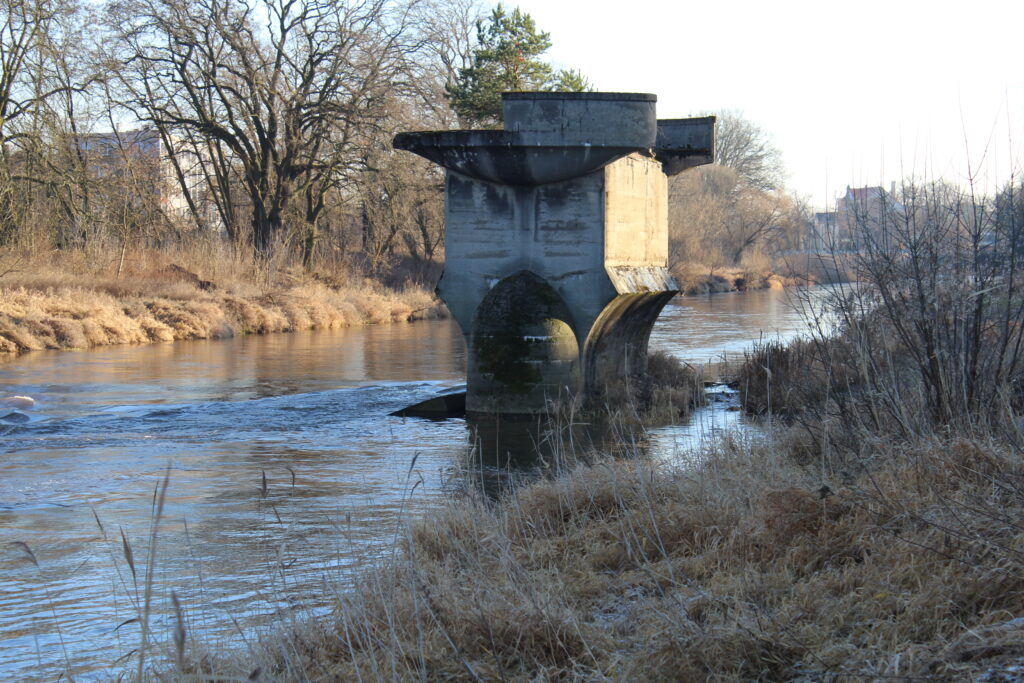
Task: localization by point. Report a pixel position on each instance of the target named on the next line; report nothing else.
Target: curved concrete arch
(522, 348)
(617, 344)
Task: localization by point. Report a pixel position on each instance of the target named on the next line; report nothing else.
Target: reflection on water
(284, 468)
(508, 451)
(706, 329)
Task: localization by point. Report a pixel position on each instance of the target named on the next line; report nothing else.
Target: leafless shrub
(930, 336)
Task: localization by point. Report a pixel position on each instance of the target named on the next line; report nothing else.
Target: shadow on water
(507, 451)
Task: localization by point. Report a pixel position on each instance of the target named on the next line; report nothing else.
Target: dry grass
(746, 568)
(63, 301)
(665, 393)
(697, 278)
(786, 379)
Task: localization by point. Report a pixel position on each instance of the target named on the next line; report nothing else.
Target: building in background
(137, 171)
(864, 215)
(823, 231)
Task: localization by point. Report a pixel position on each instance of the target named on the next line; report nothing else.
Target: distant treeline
(267, 124)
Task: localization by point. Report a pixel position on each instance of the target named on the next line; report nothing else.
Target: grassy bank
(696, 278)
(748, 567)
(70, 301)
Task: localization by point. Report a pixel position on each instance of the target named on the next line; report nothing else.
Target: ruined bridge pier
(556, 240)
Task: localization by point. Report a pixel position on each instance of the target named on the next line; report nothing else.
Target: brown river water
(285, 471)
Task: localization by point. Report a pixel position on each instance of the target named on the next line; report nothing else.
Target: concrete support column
(557, 239)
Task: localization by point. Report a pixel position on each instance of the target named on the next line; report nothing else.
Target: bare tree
(717, 218)
(402, 206)
(448, 36)
(746, 148)
(283, 90)
(73, 66)
(25, 26)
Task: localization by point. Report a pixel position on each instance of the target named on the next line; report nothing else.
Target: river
(283, 468)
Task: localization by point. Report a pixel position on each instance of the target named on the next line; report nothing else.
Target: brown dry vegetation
(667, 391)
(696, 278)
(66, 301)
(744, 568)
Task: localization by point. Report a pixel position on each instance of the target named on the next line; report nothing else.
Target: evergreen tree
(571, 80)
(506, 59)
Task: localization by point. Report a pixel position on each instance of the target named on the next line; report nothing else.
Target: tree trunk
(262, 231)
(309, 244)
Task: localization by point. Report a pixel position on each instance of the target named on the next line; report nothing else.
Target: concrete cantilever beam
(557, 240)
(685, 143)
(501, 157)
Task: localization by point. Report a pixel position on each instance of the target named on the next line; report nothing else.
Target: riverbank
(696, 279)
(792, 270)
(67, 304)
(748, 567)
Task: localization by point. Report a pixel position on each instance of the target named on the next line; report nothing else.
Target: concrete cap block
(598, 119)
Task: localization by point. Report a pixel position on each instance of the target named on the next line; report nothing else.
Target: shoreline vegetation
(696, 280)
(749, 566)
(823, 550)
(63, 302)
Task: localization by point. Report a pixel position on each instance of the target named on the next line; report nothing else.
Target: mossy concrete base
(522, 350)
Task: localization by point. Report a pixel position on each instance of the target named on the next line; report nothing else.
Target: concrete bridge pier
(556, 240)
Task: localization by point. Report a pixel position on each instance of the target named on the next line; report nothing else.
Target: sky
(857, 93)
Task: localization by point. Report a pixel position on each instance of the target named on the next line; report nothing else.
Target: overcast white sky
(857, 93)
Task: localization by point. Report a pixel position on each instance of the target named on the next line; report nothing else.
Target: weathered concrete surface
(554, 231)
(685, 143)
(556, 241)
(592, 119)
(635, 214)
(501, 157)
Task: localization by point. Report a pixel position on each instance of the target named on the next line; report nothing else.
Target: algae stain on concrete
(521, 340)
